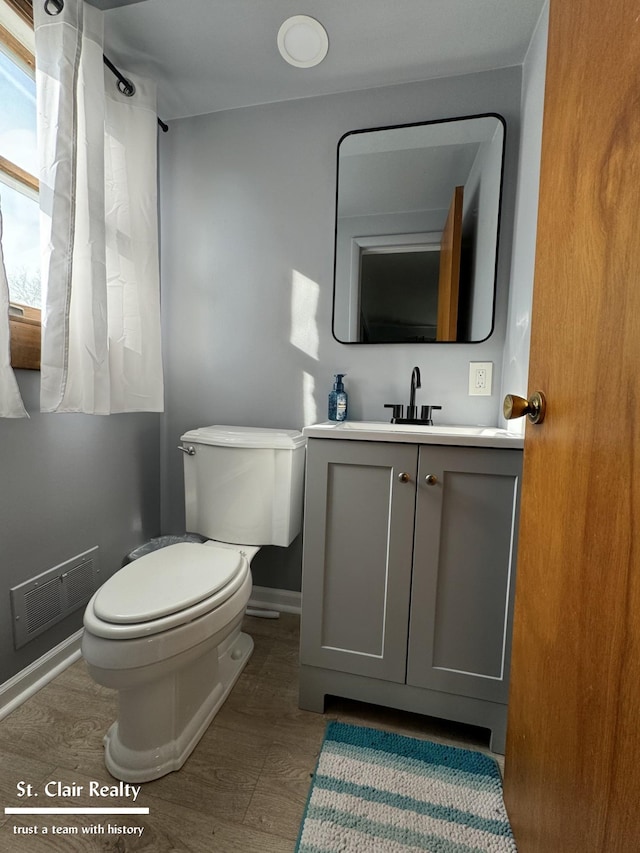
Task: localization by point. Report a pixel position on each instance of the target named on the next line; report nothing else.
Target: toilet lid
(165, 582)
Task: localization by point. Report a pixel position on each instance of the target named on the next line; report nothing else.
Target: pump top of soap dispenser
(338, 385)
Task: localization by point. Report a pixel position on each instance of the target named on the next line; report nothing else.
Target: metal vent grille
(78, 584)
(46, 599)
(42, 605)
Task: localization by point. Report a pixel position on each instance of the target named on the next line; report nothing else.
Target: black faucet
(412, 409)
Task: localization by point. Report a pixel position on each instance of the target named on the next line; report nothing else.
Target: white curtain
(99, 224)
(10, 400)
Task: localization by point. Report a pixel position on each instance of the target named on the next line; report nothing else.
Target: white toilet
(165, 630)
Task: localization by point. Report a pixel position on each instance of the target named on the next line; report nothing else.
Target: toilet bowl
(173, 658)
(165, 630)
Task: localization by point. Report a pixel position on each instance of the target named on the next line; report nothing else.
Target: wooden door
(572, 774)
(449, 276)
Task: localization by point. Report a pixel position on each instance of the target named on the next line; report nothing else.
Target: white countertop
(462, 436)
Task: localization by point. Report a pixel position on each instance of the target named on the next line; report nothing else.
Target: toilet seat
(165, 589)
(165, 582)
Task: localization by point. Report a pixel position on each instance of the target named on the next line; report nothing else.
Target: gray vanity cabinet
(464, 559)
(357, 556)
(408, 577)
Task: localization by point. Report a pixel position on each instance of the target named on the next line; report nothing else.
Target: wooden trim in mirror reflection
(25, 338)
(449, 278)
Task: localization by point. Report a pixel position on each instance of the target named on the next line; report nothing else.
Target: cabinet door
(357, 551)
(463, 575)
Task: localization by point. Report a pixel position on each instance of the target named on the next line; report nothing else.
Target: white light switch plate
(480, 376)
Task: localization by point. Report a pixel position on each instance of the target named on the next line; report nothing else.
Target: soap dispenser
(338, 399)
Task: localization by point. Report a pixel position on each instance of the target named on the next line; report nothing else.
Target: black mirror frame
(349, 133)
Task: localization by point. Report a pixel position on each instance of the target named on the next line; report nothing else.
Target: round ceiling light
(302, 41)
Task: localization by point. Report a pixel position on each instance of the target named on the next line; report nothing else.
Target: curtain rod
(125, 86)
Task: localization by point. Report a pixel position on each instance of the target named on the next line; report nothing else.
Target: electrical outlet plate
(480, 378)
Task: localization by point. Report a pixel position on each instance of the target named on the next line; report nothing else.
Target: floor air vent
(39, 603)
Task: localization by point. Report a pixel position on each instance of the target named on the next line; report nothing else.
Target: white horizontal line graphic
(78, 810)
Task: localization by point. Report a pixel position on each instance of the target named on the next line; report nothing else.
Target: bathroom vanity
(408, 569)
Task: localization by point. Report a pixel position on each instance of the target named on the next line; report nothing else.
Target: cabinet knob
(431, 479)
(404, 477)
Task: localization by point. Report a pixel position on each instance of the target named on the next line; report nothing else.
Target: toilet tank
(244, 485)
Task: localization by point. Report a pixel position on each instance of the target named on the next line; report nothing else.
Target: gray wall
(248, 203)
(70, 482)
(515, 367)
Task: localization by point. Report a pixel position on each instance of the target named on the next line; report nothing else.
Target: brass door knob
(534, 408)
(404, 477)
(431, 479)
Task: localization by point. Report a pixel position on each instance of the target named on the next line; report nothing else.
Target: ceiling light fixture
(303, 41)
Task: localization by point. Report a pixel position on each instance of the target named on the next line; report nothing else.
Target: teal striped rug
(378, 792)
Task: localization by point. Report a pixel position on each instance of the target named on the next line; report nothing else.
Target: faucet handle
(396, 410)
(425, 413)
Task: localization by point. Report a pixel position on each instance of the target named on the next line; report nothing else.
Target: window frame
(24, 321)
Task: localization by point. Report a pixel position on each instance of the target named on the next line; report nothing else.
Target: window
(18, 184)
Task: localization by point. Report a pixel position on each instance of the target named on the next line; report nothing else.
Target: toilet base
(160, 722)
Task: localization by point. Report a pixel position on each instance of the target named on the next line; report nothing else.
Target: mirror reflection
(417, 219)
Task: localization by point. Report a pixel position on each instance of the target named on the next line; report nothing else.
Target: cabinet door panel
(463, 571)
(357, 557)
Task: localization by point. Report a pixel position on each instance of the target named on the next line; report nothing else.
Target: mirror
(417, 215)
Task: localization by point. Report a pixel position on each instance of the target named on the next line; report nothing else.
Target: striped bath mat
(378, 792)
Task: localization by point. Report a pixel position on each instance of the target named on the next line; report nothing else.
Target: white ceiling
(210, 55)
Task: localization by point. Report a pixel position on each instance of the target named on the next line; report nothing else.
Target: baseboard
(282, 600)
(28, 681)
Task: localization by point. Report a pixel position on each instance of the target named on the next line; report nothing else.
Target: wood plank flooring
(243, 789)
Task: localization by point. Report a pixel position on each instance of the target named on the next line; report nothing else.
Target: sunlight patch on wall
(309, 408)
(304, 307)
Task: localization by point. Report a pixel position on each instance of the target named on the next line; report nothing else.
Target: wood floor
(243, 789)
